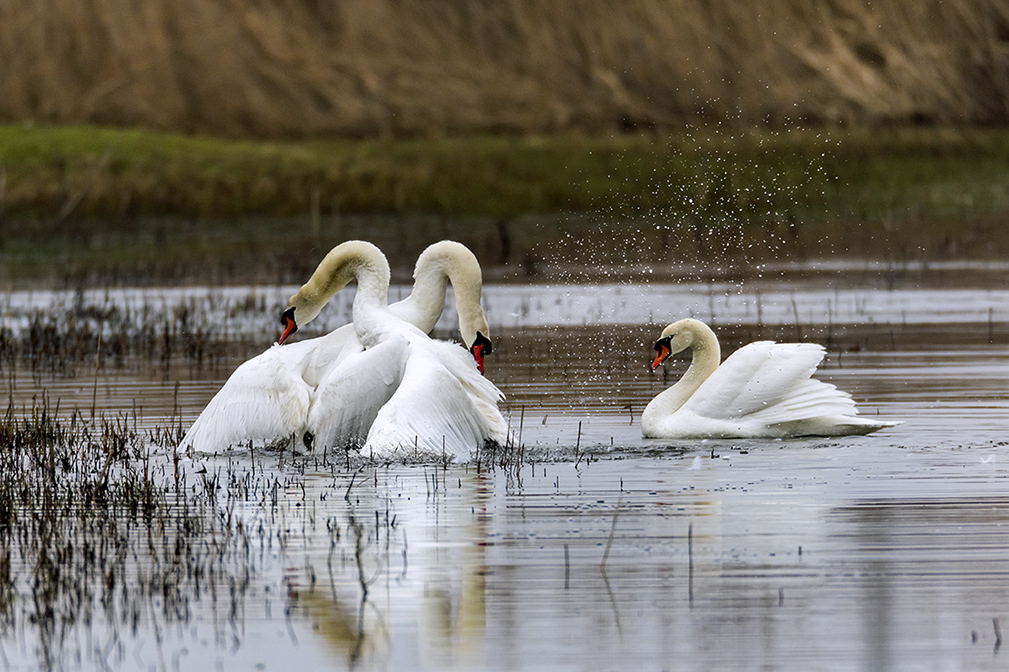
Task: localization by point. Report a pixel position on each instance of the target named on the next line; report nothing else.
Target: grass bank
(84, 204)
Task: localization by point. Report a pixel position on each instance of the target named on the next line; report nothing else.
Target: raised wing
(442, 407)
(264, 400)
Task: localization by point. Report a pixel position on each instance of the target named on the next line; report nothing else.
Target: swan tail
(836, 425)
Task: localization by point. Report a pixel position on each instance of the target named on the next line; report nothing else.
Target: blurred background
(237, 141)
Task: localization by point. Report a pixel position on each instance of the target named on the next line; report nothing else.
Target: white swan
(763, 390)
(270, 396)
(426, 396)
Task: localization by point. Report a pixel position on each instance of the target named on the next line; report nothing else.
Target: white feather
(265, 400)
(442, 407)
(349, 396)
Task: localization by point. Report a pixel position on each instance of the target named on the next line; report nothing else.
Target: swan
(404, 393)
(763, 390)
(269, 397)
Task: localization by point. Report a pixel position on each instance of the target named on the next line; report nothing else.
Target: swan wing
(328, 352)
(459, 362)
(349, 398)
(264, 400)
(482, 393)
(443, 406)
(769, 382)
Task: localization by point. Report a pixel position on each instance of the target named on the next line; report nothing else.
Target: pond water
(596, 549)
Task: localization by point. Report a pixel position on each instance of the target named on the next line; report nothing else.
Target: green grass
(102, 172)
(81, 203)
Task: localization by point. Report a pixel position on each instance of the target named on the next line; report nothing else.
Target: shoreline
(88, 206)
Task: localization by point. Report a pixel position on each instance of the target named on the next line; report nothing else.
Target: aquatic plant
(61, 338)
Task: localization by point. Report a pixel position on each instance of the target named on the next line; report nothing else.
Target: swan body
(438, 402)
(763, 390)
(330, 386)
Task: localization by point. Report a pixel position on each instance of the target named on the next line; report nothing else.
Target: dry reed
(381, 68)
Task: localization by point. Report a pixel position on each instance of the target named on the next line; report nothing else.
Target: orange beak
(661, 353)
(481, 346)
(478, 356)
(290, 326)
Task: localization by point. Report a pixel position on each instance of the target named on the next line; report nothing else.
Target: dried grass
(404, 67)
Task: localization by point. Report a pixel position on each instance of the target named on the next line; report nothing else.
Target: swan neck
(427, 299)
(468, 288)
(440, 264)
(705, 358)
(371, 291)
(345, 263)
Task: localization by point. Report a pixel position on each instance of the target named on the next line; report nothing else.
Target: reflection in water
(355, 630)
(453, 606)
(779, 555)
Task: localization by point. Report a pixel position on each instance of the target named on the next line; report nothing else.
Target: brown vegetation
(405, 67)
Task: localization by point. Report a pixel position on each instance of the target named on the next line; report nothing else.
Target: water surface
(598, 549)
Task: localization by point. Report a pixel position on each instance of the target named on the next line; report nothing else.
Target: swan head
(452, 261)
(347, 261)
(474, 329)
(481, 346)
(299, 312)
(289, 323)
(677, 337)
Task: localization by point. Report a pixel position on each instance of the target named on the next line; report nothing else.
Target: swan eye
(663, 343)
(287, 315)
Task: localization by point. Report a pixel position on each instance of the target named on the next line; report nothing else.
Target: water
(601, 549)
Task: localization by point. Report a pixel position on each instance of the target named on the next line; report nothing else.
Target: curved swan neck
(705, 358)
(438, 265)
(353, 260)
(426, 302)
(706, 354)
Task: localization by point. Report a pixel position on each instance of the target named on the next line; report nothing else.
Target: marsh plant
(88, 331)
(109, 540)
(80, 501)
